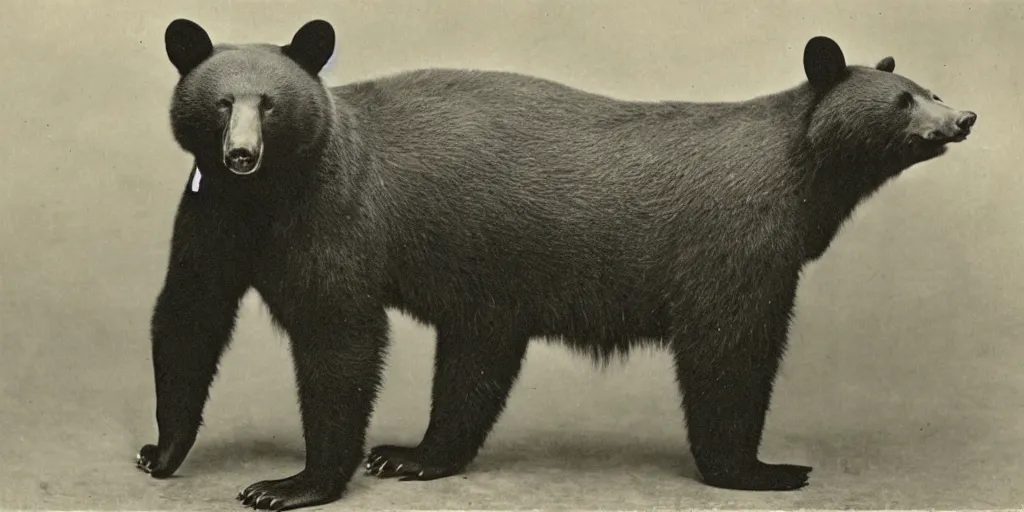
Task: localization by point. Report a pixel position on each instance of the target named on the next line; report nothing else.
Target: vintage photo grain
(511, 255)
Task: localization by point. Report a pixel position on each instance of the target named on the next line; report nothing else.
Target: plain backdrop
(902, 386)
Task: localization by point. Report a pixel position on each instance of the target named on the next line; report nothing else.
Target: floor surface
(903, 386)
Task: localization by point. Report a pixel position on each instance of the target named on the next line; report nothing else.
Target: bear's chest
(310, 251)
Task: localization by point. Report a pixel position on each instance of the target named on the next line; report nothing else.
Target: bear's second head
(243, 107)
(869, 121)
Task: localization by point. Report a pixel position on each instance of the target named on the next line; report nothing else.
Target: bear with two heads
(501, 208)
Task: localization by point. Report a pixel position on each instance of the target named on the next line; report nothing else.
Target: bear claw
(289, 493)
(143, 461)
(405, 463)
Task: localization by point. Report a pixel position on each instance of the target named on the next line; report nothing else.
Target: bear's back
(482, 108)
(539, 127)
(569, 153)
(536, 146)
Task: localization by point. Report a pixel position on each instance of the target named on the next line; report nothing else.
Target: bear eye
(224, 104)
(906, 100)
(266, 103)
(936, 98)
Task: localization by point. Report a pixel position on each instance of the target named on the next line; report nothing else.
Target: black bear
(500, 208)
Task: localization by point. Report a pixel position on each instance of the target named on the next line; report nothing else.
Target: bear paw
(761, 477)
(289, 493)
(154, 461)
(388, 461)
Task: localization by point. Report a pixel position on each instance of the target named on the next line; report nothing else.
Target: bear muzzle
(956, 131)
(243, 138)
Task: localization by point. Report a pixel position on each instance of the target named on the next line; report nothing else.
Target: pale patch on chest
(197, 177)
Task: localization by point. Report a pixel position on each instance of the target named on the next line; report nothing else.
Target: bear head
(243, 107)
(871, 120)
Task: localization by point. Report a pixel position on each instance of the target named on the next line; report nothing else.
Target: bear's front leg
(338, 349)
(726, 359)
(191, 326)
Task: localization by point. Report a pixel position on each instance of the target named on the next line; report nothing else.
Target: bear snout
(956, 131)
(966, 121)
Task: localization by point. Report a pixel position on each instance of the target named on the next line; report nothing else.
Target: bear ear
(187, 44)
(312, 46)
(887, 64)
(824, 63)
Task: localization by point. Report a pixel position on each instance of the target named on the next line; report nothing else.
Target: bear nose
(240, 158)
(966, 121)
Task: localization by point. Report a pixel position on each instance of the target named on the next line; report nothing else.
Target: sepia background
(903, 385)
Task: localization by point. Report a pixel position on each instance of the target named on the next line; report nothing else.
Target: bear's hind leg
(726, 370)
(475, 368)
(338, 350)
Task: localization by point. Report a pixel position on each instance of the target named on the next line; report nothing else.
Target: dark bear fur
(499, 208)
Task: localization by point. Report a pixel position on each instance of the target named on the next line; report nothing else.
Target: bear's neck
(838, 182)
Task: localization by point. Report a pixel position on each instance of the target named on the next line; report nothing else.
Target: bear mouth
(960, 137)
(935, 144)
(939, 139)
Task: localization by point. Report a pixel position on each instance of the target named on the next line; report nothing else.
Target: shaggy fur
(500, 208)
